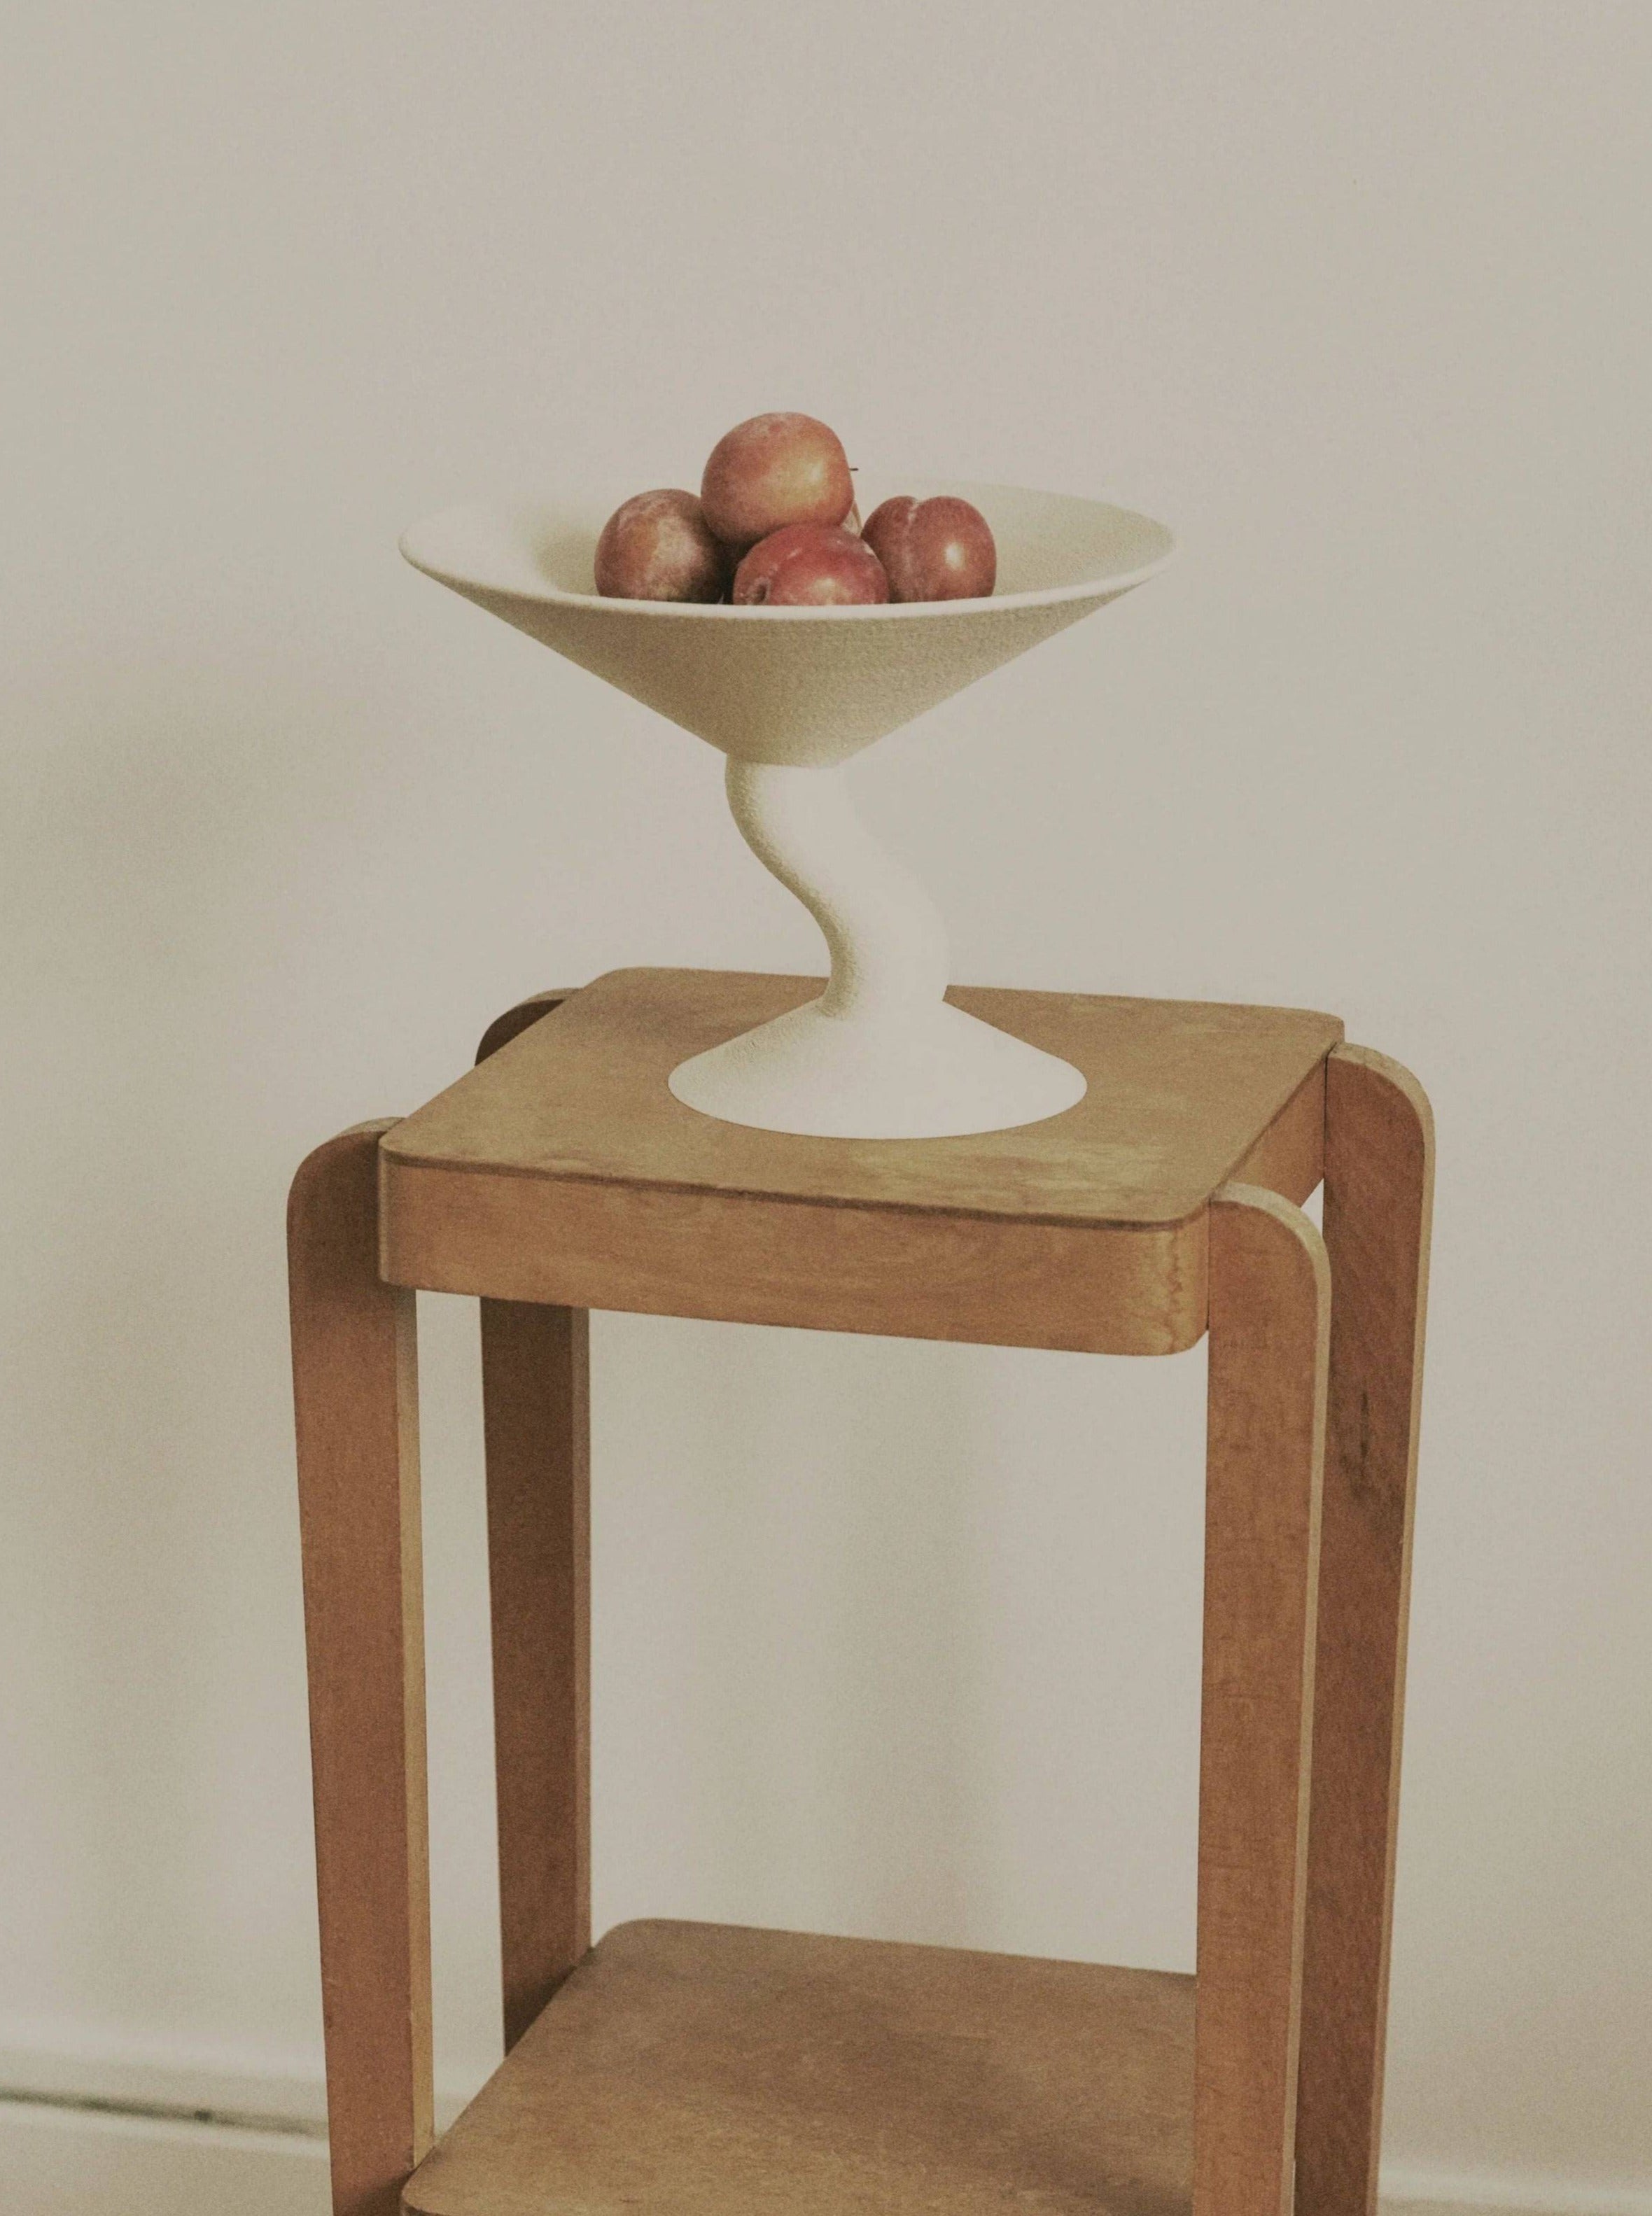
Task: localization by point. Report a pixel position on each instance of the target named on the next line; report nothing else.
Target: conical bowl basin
(788, 694)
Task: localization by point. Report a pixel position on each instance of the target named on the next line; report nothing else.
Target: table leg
(536, 1412)
(1378, 1197)
(356, 1404)
(1270, 1315)
(535, 1393)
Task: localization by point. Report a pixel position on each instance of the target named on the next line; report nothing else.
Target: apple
(657, 546)
(773, 471)
(934, 549)
(811, 565)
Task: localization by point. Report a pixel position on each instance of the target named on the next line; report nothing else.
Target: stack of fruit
(775, 525)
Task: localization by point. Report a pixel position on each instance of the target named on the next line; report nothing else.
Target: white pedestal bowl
(788, 694)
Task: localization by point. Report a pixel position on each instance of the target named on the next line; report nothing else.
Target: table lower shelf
(701, 2070)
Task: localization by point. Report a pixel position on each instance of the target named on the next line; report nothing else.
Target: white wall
(892, 1638)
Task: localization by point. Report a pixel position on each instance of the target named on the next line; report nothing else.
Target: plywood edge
(1397, 1075)
(1304, 1239)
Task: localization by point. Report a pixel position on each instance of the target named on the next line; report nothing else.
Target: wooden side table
(694, 2071)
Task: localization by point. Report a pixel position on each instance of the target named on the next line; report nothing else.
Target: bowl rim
(1106, 586)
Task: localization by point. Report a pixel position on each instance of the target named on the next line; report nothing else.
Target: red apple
(773, 471)
(810, 565)
(934, 549)
(657, 546)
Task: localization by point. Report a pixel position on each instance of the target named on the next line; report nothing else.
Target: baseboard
(73, 2161)
(172, 2089)
(134, 2138)
(271, 2102)
(1519, 2193)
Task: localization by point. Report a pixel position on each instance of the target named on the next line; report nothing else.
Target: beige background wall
(891, 1639)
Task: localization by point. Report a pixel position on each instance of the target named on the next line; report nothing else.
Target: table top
(1179, 1092)
(562, 1170)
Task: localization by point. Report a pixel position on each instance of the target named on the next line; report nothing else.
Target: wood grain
(689, 2070)
(562, 1170)
(1179, 1093)
(536, 1409)
(699, 2070)
(356, 1406)
(659, 1252)
(1270, 1316)
(1379, 1159)
(1288, 1158)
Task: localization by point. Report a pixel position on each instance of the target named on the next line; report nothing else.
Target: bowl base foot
(928, 1073)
